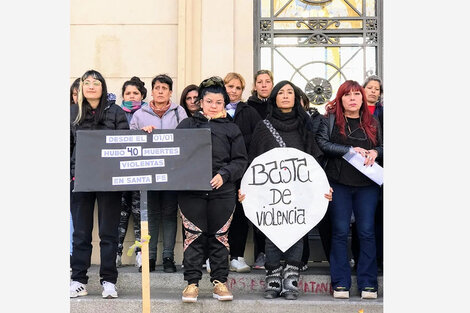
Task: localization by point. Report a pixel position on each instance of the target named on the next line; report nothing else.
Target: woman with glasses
(350, 125)
(94, 112)
(207, 215)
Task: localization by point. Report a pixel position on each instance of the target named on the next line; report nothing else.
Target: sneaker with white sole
(341, 293)
(109, 290)
(221, 291)
(208, 266)
(138, 259)
(239, 265)
(77, 289)
(190, 293)
(260, 260)
(369, 293)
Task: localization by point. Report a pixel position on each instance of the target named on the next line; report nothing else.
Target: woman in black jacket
(289, 119)
(350, 126)
(93, 112)
(207, 215)
(262, 85)
(246, 118)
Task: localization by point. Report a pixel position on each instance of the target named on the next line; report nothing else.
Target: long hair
(75, 85)
(84, 105)
(300, 113)
(139, 84)
(368, 123)
(185, 92)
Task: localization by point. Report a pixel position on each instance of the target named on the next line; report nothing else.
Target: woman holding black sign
(286, 125)
(207, 215)
(350, 125)
(161, 113)
(94, 112)
(133, 95)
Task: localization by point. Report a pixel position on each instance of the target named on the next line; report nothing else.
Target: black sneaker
(369, 293)
(169, 265)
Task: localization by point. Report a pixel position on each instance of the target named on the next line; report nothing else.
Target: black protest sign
(166, 159)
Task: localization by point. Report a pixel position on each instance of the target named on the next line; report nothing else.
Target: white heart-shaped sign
(285, 194)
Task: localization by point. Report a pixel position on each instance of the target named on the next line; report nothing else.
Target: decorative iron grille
(318, 44)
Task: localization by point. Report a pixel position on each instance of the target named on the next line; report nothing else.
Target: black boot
(152, 265)
(273, 281)
(169, 265)
(290, 281)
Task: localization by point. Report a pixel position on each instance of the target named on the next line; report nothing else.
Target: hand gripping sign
(285, 194)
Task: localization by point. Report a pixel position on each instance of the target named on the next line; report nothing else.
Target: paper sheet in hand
(374, 172)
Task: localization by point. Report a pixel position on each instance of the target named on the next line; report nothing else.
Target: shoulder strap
(274, 133)
(177, 115)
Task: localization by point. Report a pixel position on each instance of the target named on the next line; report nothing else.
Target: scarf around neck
(159, 111)
(222, 114)
(131, 106)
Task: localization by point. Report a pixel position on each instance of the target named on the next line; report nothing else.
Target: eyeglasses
(213, 81)
(95, 83)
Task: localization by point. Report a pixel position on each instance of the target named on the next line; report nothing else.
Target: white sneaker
(118, 261)
(138, 259)
(260, 260)
(239, 265)
(109, 290)
(77, 289)
(208, 266)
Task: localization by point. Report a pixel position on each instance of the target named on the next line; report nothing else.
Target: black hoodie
(260, 105)
(229, 157)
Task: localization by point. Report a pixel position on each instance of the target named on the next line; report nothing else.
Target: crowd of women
(215, 227)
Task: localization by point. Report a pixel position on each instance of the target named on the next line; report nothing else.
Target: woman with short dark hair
(207, 215)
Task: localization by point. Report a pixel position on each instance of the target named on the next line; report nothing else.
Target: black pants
(206, 219)
(130, 204)
(324, 230)
(109, 210)
(238, 232)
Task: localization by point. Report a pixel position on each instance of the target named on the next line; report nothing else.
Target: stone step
(168, 301)
(314, 281)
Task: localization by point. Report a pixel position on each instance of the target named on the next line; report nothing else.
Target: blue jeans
(363, 202)
(162, 208)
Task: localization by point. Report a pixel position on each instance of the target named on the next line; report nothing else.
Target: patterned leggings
(130, 204)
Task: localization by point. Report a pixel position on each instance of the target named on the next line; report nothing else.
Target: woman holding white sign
(207, 215)
(94, 112)
(350, 125)
(286, 125)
